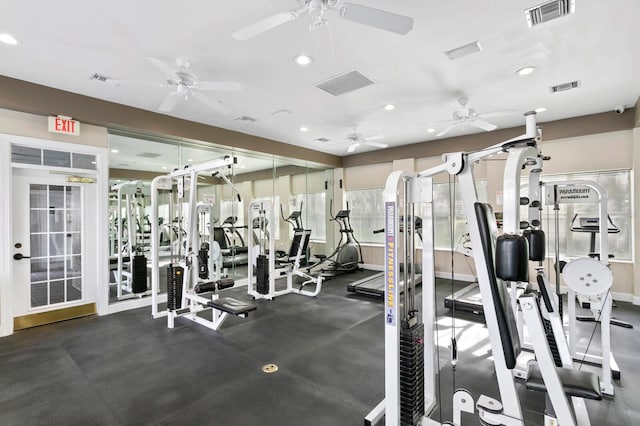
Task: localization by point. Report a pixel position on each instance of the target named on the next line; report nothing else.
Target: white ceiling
(63, 44)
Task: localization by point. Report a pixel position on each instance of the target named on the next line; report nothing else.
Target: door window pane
(39, 296)
(83, 161)
(56, 197)
(38, 270)
(74, 289)
(56, 268)
(38, 197)
(56, 158)
(56, 244)
(38, 221)
(26, 155)
(39, 244)
(56, 220)
(56, 292)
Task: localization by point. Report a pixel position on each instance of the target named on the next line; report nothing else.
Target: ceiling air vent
(149, 155)
(548, 11)
(246, 119)
(345, 83)
(322, 140)
(465, 50)
(565, 86)
(99, 77)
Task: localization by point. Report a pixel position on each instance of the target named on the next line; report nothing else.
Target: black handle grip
(378, 231)
(19, 256)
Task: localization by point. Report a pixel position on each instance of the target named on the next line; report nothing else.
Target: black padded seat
(582, 384)
(232, 306)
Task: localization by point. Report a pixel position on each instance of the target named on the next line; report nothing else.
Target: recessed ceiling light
(8, 39)
(304, 129)
(431, 130)
(303, 60)
(526, 70)
(164, 167)
(541, 109)
(190, 160)
(389, 107)
(114, 151)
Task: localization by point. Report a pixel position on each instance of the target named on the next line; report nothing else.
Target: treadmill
(374, 285)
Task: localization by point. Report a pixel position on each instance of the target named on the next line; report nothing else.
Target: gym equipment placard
(390, 252)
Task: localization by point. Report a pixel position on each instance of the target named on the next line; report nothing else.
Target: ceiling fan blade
(377, 18)
(210, 102)
(162, 66)
(373, 137)
(446, 130)
(266, 24)
(226, 86)
(377, 144)
(484, 125)
(500, 113)
(170, 102)
(352, 147)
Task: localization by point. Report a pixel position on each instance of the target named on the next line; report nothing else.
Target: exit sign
(64, 125)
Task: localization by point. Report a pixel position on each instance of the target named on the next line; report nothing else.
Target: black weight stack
(174, 287)
(139, 274)
(411, 375)
(262, 274)
(203, 263)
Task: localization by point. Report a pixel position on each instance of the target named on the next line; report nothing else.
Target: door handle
(19, 256)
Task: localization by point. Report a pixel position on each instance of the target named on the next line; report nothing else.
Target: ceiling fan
(464, 115)
(357, 139)
(377, 18)
(185, 84)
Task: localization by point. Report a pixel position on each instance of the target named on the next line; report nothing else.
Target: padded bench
(582, 384)
(232, 306)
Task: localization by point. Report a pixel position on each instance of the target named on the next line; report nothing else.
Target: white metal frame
(192, 303)
(264, 209)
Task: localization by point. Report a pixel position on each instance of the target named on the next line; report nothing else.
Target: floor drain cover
(269, 368)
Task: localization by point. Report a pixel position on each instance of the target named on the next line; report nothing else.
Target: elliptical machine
(347, 255)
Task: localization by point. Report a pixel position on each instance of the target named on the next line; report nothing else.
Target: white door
(53, 242)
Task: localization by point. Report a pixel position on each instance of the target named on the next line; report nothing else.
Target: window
(314, 213)
(618, 187)
(442, 213)
(47, 157)
(367, 214)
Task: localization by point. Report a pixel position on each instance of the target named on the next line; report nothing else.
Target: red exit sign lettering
(64, 125)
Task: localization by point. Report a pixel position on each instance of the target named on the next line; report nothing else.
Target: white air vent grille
(548, 11)
(565, 86)
(247, 119)
(322, 140)
(149, 155)
(99, 77)
(465, 50)
(345, 83)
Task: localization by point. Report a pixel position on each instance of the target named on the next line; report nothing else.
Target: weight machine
(131, 264)
(188, 294)
(268, 269)
(587, 278)
(410, 391)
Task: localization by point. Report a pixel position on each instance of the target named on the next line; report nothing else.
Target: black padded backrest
(295, 243)
(307, 238)
(220, 237)
(499, 292)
